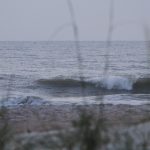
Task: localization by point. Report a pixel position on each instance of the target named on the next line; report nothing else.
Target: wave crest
(105, 83)
(109, 83)
(64, 82)
(142, 85)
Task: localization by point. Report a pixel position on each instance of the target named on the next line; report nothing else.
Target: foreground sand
(31, 124)
(29, 118)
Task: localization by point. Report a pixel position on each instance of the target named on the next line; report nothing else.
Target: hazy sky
(39, 19)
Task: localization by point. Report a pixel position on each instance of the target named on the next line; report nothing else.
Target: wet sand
(43, 118)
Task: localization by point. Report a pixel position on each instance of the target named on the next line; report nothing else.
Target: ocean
(42, 73)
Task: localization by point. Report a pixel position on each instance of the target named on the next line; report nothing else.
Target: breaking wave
(106, 83)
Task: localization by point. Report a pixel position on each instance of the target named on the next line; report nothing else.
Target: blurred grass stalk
(76, 38)
(90, 131)
(109, 34)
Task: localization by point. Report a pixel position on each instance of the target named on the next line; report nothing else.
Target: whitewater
(45, 73)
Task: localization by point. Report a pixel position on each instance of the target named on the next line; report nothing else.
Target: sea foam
(116, 82)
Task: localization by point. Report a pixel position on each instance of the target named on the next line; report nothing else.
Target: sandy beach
(43, 118)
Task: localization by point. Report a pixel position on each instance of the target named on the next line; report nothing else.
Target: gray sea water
(48, 72)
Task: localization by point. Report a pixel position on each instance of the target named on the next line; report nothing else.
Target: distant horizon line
(74, 41)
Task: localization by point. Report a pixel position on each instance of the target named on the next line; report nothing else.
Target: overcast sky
(40, 19)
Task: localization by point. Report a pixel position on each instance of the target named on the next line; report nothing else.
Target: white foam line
(94, 100)
(108, 99)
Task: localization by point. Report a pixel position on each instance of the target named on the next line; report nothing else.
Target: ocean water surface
(38, 73)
